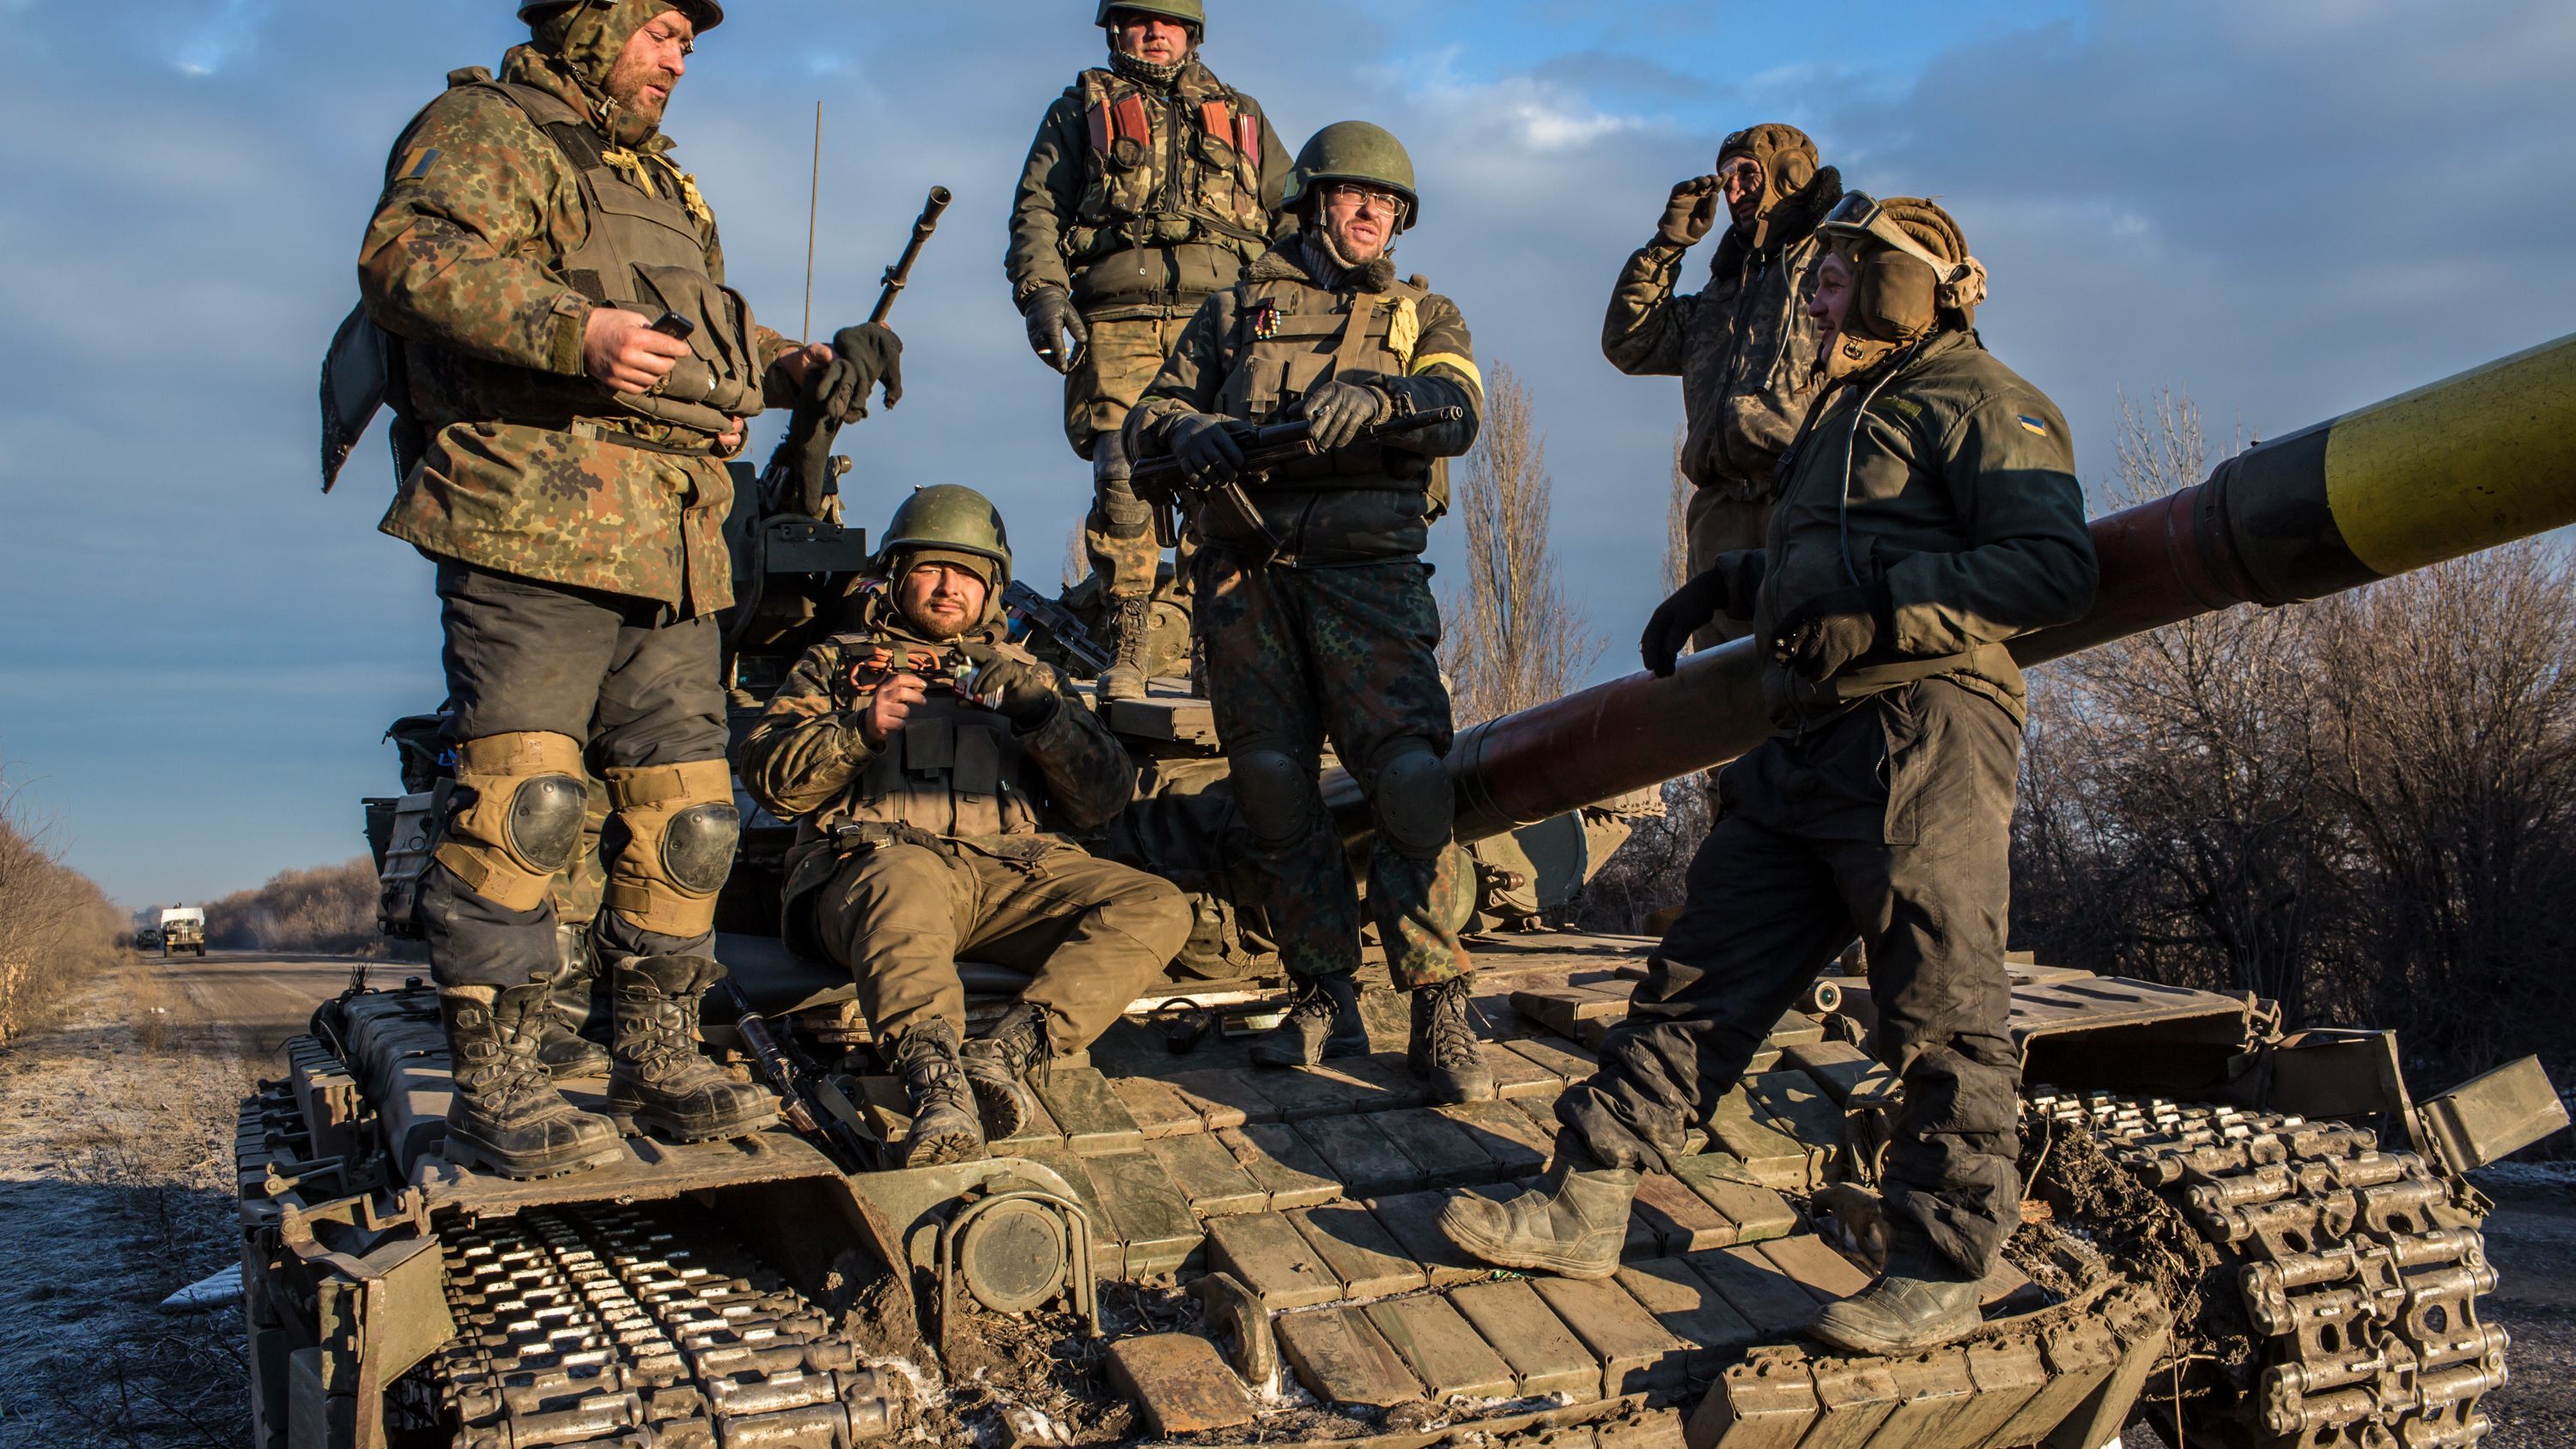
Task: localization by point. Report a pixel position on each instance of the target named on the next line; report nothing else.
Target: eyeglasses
(1860, 215)
(1368, 198)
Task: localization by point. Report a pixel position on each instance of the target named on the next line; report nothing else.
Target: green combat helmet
(948, 518)
(1189, 12)
(706, 15)
(1358, 152)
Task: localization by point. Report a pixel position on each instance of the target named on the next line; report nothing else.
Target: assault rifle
(1041, 612)
(1165, 485)
(796, 1101)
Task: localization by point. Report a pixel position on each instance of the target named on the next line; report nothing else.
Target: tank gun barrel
(2467, 464)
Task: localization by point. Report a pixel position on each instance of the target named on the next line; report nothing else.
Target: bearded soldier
(930, 766)
(573, 373)
(1743, 345)
(1316, 619)
(1929, 515)
(1150, 185)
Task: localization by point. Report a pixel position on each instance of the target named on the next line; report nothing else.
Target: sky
(2284, 210)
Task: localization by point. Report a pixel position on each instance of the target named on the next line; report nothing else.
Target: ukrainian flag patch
(2030, 424)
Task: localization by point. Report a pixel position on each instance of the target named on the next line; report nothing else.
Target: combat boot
(1323, 1022)
(659, 1080)
(506, 1115)
(1571, 1222)
(1001, 1064)
(1444, 1051)
(1922, 1301)
(944, 1123)
(560, 1044)
(1130, 626)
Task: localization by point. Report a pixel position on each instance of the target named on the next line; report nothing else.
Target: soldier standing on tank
(568, 480)
(1744, 346)
(1150, 185)
(1323, 626)
(931, 768)
(1929, 514)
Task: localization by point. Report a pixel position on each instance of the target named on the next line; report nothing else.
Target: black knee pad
(697, 846)
(545, 820)
(1278, 798)
(1414, 802)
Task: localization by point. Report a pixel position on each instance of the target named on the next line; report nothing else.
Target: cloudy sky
(2286, 208)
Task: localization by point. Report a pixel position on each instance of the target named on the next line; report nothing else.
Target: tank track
(607, 1325)
(2361, 1268)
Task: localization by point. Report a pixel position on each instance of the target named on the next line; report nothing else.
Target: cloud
(216, 41)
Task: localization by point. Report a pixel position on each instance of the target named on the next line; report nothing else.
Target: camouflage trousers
(1718, 523)
(1892, 822)
(1117, 365)
(1297, 657)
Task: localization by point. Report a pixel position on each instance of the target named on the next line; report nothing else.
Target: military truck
(2258, 1237)
(182, 931)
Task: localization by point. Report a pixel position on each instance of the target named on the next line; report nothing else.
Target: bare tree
(1677, 520)
(56, 926)
(1510, 639)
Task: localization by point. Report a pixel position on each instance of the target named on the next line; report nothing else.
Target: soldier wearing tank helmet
(565, 472)
(1316, 620)
(1928, 514)
(1743, 345)
(932, 768)
(1150, 185)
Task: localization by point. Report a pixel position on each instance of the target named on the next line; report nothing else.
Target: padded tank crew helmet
(706, 15)
(950, 523)
(1358, 153)
(1910, 268)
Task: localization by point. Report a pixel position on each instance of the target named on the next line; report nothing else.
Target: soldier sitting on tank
(1316, 619)
(932, 769)
(1929, 514)
(1150, 184)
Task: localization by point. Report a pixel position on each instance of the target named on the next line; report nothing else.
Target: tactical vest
(1292, 336)
(1169, 167)
(955, 769)
(646, 252)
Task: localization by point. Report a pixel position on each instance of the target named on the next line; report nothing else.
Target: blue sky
(2286, 209)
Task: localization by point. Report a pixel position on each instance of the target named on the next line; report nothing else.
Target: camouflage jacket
(1140, 201)
(1253, 352)
(531, 469)
(1743, 346)
(956, 772)
(1962, 499)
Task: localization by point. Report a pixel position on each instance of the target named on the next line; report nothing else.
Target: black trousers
(610, 671)
(1892, 822)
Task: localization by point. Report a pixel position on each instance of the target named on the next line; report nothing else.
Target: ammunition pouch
(521, 817)
(679, 825)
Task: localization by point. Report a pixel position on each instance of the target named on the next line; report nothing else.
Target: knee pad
(1279, 798)
(680, 827)
(522, 819)
(1414, 802)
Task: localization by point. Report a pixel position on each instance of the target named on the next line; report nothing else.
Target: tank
(2266, 1237)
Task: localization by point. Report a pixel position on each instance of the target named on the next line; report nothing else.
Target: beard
(626, 86)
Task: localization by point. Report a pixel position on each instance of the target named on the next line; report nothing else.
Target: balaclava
(1146, 73)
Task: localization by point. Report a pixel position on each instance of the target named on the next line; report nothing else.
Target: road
(259, 1000)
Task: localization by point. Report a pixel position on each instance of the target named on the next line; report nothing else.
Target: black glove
(1024, 690)
(1051, 319)
(1832, 629)
(862, 357)
(1676, 619)
(1204, 443)
(1341, 411)
(1692, 211)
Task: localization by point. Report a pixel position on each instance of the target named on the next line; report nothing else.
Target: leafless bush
(329, 910)
(56, 926)
(1510, 641)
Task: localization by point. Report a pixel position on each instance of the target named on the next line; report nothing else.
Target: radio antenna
(813, 208)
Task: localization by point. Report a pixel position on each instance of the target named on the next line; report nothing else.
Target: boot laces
(1311, 1008)
(1449, 1036)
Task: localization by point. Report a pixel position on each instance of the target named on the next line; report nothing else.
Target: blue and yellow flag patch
(2033, 425)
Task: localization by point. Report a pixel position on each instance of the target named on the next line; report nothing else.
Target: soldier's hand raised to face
(1692, 212)
(889, 707)
(621, 351)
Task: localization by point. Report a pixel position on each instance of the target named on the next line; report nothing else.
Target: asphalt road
(259, 1001)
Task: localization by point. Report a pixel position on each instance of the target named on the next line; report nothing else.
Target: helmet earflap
(1895, 297)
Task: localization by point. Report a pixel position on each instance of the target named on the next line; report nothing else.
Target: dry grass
(56, 926)
(328, 910)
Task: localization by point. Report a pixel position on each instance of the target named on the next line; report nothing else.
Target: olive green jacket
(1963, 500)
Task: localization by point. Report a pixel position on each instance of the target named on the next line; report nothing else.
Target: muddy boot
(1444, 1051)
(1001, 1064)
(1922, 1301)
(945, 1127)
(1571, 1222)
(660, 1081)
(1130, 626)
(506, 1116)
(560, 1044)
(1323, 1022)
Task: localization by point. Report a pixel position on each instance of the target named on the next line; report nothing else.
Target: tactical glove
(1829, 631)
(862, 358)
(1204, 443)
(1023, 690)
(1341, 411)
(1727, 587)
(1692, 212)
(1051, 319)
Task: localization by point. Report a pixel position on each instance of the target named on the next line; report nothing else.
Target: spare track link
(602, 1325)
(2361, 1267)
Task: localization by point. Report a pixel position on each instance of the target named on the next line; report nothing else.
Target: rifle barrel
(899, 276)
